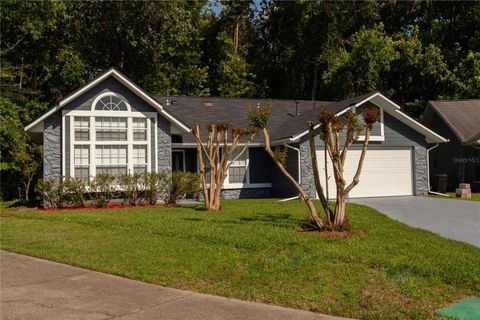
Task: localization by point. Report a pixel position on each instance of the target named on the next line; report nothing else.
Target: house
(112, 125)
(459, 159)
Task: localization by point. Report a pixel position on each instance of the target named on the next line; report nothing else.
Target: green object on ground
(468, 309)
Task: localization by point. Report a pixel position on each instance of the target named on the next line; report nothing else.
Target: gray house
(112, 125)
(459, 159)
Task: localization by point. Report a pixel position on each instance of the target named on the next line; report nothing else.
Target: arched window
(110, 101)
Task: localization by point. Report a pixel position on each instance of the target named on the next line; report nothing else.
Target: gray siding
(68, 140)
(164, 144)
(246, 193)
(260, 166)
(397, 134)
(84, 102)
(281, 186)
(52, 143)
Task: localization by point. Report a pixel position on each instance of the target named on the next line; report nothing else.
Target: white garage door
(386, 172)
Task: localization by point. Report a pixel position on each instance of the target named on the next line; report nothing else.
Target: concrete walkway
(39, 289)
(450, 218)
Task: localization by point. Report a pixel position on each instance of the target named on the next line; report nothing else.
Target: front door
(178, 160)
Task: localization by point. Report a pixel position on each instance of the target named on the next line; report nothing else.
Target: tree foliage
(323, 50)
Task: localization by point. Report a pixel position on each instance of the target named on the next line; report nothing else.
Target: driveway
(39, 289)
(450, 218)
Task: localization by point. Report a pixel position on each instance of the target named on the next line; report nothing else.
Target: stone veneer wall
(306, 172)
(164, 144)
(246, 193)
(420, 170)
(52, 144)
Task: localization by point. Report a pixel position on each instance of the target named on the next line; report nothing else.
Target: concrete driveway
(39, 289)
(454, 219)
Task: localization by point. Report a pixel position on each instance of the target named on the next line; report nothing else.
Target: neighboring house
(458, 121)
(112, 125)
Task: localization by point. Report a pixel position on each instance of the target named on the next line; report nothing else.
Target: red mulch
(110, 206)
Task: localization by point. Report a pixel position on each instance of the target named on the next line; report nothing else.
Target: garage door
(386, 172)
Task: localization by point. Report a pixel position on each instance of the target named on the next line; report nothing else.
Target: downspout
(428, 172)
(298, 170)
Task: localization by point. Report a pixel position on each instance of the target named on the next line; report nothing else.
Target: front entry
(178, 160)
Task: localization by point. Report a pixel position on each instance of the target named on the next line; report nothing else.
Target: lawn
(251, 250)
(475, 196)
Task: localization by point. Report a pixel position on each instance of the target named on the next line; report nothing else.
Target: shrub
(75, 189)
(182, 184)
(102, 189)
(52, 191)
(133, 187)
(157, 185)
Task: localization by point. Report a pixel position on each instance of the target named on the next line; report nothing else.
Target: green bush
(133, 187)
(157, 185)
(102, 189)
(75, 189)
(52, 192)
(181, 185)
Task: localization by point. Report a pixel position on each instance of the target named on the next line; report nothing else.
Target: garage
(386, 172)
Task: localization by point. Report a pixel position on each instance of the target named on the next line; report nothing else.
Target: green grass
(475, 196)
(250, 250)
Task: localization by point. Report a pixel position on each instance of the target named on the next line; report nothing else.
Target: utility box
(440, 183)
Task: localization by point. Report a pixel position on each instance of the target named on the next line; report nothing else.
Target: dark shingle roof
(462, 116)
(203, 110)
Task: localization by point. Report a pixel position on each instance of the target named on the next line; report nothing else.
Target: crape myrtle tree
(331, 127)
(216, 155)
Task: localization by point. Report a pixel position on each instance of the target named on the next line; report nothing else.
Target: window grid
(81, 162)
(237, 173)
(139, 129)
(81, 128)
(111, 128)
(111, 102)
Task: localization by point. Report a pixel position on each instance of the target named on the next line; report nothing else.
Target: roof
(285, 125)
(461, 116)
(122, 79)
(203, 110)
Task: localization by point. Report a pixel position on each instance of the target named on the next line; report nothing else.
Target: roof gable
(124, 81)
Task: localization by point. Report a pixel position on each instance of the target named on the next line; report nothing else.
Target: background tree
(27, 159)
(216, 155)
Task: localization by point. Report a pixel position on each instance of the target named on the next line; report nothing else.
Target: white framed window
(139, 158)
(139, 129)
(111, 133)
(111, 159)
(110, 101)
(237, 173)
(81, 161)
(81, 128)
(111, 128)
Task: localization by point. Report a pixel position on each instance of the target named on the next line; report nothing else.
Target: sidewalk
(32, 288)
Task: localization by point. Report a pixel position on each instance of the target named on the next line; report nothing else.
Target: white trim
(112, 72)
(109, 114)
(372, 138)
(63, 148)
(106, 94)
(430, 136)
(155, 158)
(72, 147)
(245, 186)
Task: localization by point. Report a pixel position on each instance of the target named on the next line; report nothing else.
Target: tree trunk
(316, 175)
(340, 207)
(306, 198)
